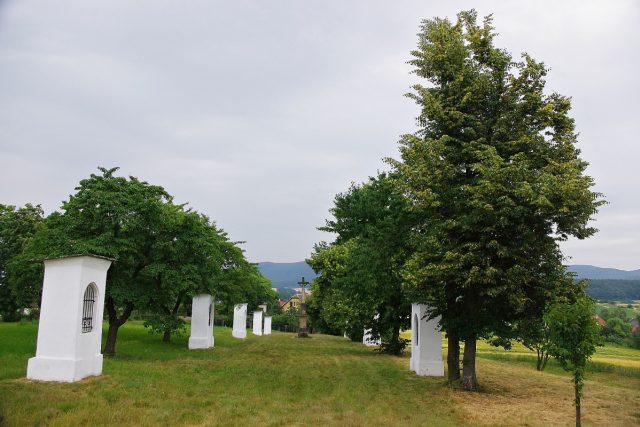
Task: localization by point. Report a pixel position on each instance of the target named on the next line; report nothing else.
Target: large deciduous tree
(164, 253)
(112, 216)
(494, 178)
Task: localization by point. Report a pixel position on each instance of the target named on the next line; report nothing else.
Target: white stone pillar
(257, 322)
(201, 322)
(368, 340)
(70, 325)
(267, 325)
(239, 321)
(426, 343)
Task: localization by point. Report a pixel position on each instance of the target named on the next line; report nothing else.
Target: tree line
(165, 253)
(468, 220)
(614, 289)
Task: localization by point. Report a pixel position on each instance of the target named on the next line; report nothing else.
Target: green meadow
(281, 380)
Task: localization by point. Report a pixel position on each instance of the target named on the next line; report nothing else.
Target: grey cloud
(258, 113)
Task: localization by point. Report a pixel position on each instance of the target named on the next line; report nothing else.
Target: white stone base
(257, 323)
(368, 340)
(267, 325)
(430, 369)
(239, 333)
(200, 342)
(63, 370)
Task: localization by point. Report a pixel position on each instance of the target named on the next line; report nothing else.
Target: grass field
(281, 380)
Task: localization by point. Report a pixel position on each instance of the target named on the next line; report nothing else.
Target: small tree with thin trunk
(573, 336)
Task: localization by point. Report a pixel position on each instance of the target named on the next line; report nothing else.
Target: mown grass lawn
(281, 380)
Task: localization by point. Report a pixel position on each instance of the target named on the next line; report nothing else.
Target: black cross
(302, 284)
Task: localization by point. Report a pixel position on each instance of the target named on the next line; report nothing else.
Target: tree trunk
(453, 357)
(578, 384)
(171, 314)
(395, 335)
(112, 335)
(469, 380)
(114, 324)
(544, 361)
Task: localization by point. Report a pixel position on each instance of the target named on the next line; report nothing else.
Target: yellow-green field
(281, 380)
(610, 357)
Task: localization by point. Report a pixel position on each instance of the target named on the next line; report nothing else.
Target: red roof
(600, 320)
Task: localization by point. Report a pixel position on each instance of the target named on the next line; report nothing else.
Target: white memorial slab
(70, 325)
(240, 321)
(257, 322)
(201, 322)
(368, 340)
(426, 343)
(267, 325)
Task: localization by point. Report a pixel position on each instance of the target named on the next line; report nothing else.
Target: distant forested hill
(593, 272)
(609, 283)
(605, 283)
(286, 274)
(614, 290)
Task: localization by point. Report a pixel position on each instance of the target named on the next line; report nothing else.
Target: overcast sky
(258, 112)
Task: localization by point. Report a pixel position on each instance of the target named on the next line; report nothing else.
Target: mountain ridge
(286, 274)
(587, 271)
(605, 283)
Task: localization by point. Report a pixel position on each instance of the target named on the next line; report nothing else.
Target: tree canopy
(360, 283)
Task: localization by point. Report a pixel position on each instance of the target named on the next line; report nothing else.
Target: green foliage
(360, 281)
(17, 226)
(494, 179)
(190, 256)
(614, 290)
(169, 324)
(288, 318)
(617, 330)
(635, 340)
(611, 311)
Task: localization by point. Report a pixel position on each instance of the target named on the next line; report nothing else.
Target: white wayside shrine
(201, 322)
(367, 339)
(426, 343)
(257, 322)
(240, 321)
(267, 325)
(70, 325)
